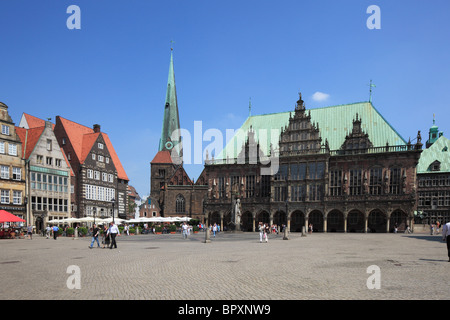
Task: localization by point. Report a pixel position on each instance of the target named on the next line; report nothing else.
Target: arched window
(180, 204)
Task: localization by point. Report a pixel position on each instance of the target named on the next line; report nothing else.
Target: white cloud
(320, 96)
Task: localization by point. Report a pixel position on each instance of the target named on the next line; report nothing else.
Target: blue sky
(113, 71)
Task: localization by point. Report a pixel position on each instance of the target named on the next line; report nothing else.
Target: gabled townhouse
(47, 171)
(100, 184)
(12, 170)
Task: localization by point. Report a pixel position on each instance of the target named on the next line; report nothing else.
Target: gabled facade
(12, 167)
(48, 174)
(433, 173)
(100, 184)
(340, 169)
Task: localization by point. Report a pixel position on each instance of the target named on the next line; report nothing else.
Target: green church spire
(171, 121)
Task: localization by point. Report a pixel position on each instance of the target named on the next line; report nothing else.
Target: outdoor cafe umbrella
(5, 216)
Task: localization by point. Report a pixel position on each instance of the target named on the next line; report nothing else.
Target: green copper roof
(334, 123)
(440, 151)
(171, 119)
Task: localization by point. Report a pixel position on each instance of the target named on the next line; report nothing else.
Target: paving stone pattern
(234, 266)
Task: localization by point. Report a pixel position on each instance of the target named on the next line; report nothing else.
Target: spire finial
(171, 45)
(250, 107)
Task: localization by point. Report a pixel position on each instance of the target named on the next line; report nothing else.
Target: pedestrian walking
(113, 231)
(261, 232)
(446, 237)
(47, 232)
(30, 232)
(184, 229)
(55, 231)
(106, 237)
(266, 232)
(214, 229)
(95, 233)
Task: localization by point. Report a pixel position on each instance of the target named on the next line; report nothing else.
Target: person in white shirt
(446, 237)
(113, 231)
(185, 230)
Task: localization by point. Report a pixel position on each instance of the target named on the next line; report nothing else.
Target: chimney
(96, 128)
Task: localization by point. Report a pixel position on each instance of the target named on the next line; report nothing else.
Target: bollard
(286, 233)
(303, 231)
(207, 236)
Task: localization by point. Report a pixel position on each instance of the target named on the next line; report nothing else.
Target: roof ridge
(333, 106)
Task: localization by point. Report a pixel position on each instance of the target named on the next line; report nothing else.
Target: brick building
(341, 169)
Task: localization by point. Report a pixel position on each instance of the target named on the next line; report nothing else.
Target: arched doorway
(214, 218)
(226, 220)
(355, 221)
(297, 221)
(377, 221)
(39, 223)
(398, 218)
(316, 219)
(279, 218)
(263, 217)
(247, 221)
(335, 221)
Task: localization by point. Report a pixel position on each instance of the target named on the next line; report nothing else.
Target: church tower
(170, 135)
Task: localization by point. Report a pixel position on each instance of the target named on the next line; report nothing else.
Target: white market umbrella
(184, 219)
(116, 220)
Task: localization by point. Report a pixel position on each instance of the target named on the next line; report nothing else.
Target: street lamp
(113, 201)
(286, 231)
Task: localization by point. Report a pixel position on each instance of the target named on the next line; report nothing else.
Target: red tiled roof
(83, 138)
(29, 138)
(34, 122)
(162, 157)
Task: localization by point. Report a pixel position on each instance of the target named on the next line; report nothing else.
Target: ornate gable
(300, 135)
(357, 139)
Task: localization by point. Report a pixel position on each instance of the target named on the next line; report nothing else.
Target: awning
(5, 216)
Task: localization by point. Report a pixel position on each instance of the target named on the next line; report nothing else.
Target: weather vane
(371, 85)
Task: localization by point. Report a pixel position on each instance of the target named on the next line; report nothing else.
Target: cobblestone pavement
(234, 266)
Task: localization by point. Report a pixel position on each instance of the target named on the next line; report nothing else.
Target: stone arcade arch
(214, 218)
(400, 218)
(247, 221)
(279, 218)
(263, 217)
(377, 221)
(297, 221)
(316, 219)
(355, 221)
(335, 221)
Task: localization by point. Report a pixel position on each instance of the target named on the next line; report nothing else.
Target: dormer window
(435, 166)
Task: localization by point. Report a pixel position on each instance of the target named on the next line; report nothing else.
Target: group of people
(108, 236)
(48, 231)
(264, 231)
(434, 228)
